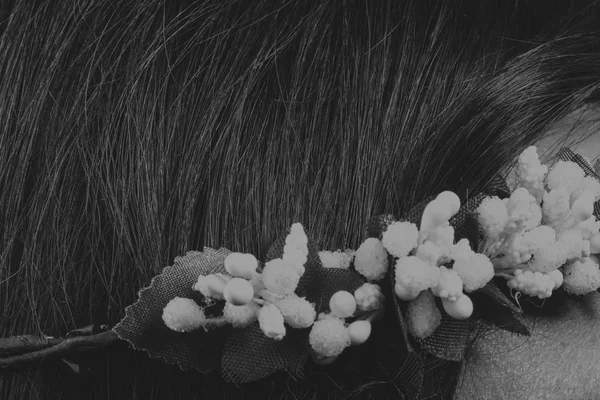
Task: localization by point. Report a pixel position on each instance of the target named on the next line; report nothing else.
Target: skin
(561, 360)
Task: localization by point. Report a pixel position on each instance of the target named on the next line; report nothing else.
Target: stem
(16, 345)
(216, 322)
(269, 297)
(505, 241)
(370, 316)
(32, 352)
(259, 301)
(511, 269)
(505, 276)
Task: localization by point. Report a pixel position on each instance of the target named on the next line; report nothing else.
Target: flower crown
(441, 269)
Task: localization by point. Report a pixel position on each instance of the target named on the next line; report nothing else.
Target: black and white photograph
(299, 199)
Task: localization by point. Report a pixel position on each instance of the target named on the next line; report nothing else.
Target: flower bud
(462, 308)
(451, 200)
(359, 332)
(211, 285)
(296, 257)
(322, 360)
(238, 292)
(271, 321)
(241, 265)
(583, 207)
(404, 293)
(557, 277)
(183, 315)
(435, 214)
(342, 304)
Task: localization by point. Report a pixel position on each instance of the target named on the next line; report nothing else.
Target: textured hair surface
(132, 131)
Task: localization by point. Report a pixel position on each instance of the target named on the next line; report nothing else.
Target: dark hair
(133, 131)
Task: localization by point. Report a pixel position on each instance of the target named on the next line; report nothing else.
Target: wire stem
(32, 348)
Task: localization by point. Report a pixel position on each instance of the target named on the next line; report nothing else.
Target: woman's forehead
(561, 359)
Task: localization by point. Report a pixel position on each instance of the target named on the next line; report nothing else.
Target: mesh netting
(567, 154)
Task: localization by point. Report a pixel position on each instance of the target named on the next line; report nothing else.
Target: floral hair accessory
(446, 270)
(256, 318)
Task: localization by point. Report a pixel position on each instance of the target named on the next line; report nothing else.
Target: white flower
(336, 259)
(461, 251)
(523, 212)
(450, 285)
(359, 332)
(461, 308)
(588, 228)
(582, 208)
(547, 258)
(423, 315)
(475, 272)
(371, 260)
(369, 297)
(297, 239)
(519, 248)
(415, 274)
(271, 321)
(557, 277)
(581, 277)
(429, 252)
(329, 337)
(400, 238)
(297, 311)
(438, 212)
(443, 237)
(183, 315)
(212, 285)
(241, 316)
(342, 304)
(573, 245)
(241, 265)
(565, 174)
(279, 277)
(492, 216)
(531, 173)
(532, 283)
(587, 184)
(238, 291)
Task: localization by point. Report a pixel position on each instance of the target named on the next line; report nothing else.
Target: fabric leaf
(144, 328)
(494, 307)
(249, 355)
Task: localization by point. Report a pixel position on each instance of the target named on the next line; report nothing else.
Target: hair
(134, 131)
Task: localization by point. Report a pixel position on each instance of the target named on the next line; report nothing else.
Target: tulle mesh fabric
(567, 154)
